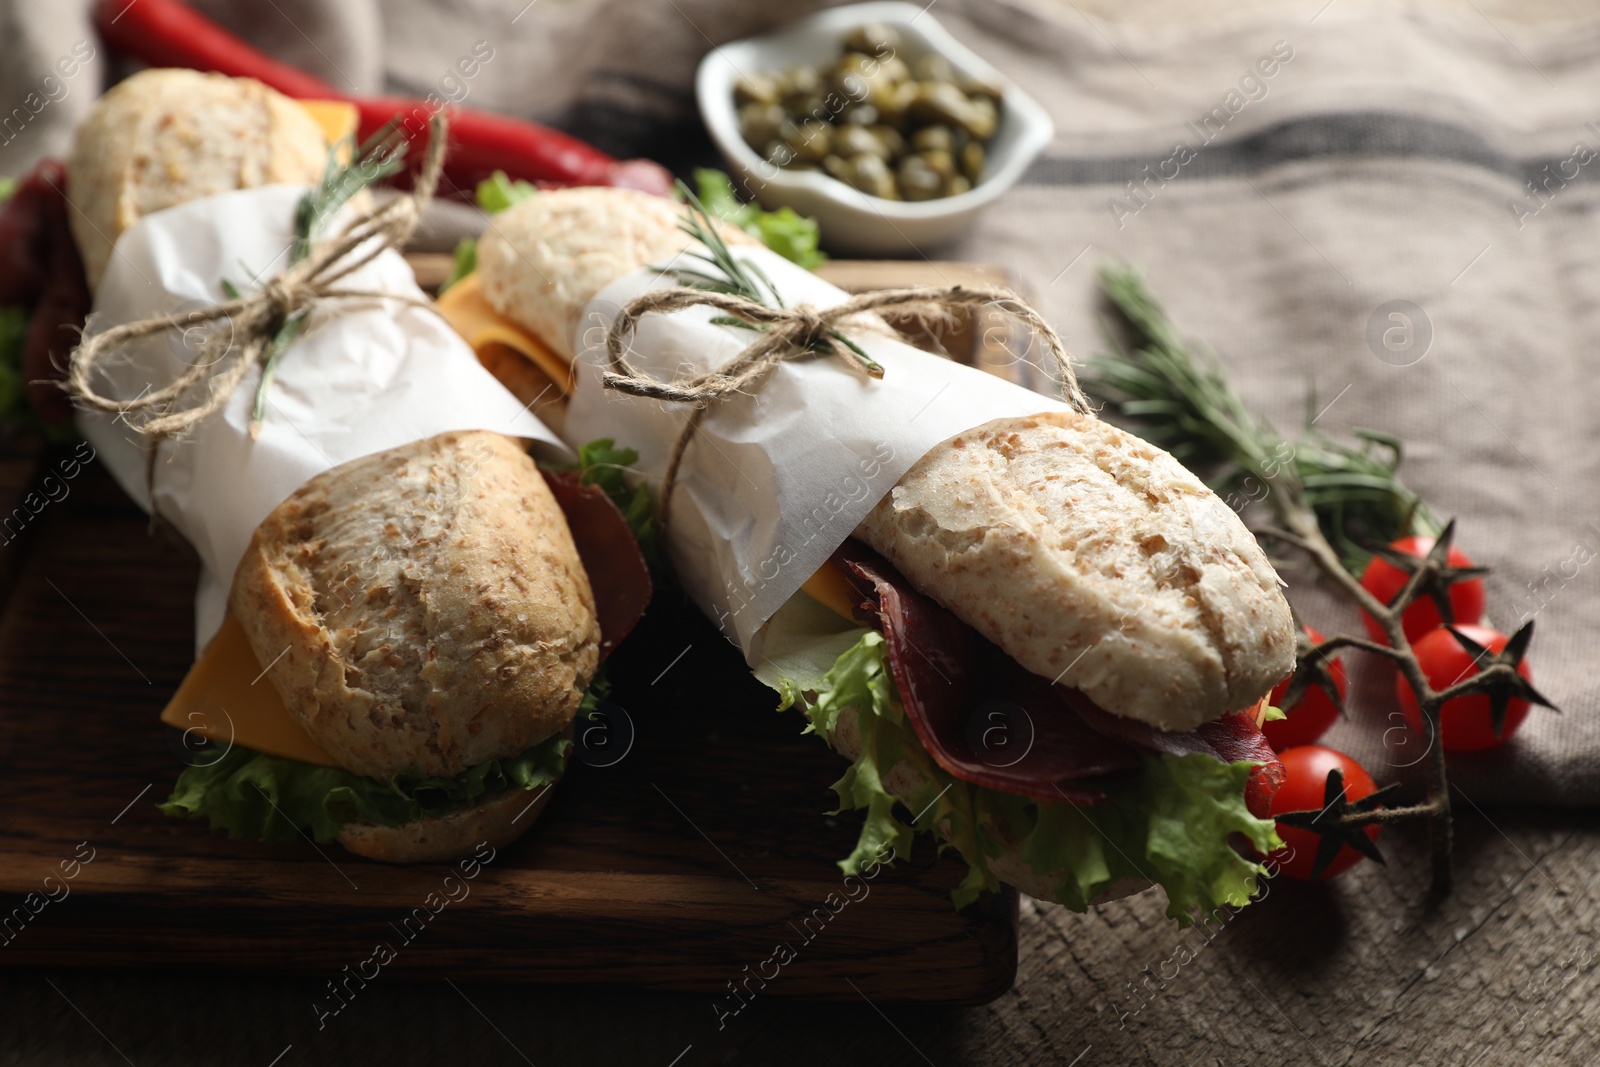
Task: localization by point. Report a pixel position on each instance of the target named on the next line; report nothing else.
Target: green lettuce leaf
(463, 262)
(603, 464)
(270, 798)
(1170, 824)
(498, 192)
(793, 236)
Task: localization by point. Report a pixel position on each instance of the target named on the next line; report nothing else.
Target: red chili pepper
(171, 34)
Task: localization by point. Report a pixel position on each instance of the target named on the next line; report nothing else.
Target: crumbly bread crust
(544, 259)
(428, 605)
(497, 821)
(165, 137)
(1094, 558)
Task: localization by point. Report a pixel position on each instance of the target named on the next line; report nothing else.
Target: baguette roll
(421, 610)
(165, 137)
(1095, 559)
(425, 608)
(1085, 553)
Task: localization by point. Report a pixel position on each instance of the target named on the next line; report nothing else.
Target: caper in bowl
(889, 126)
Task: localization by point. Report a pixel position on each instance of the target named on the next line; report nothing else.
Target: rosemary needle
(1184, 402)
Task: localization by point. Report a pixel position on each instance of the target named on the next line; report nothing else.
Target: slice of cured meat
(1235, 736)
(618, 574)
(980, 716)
(986, 720)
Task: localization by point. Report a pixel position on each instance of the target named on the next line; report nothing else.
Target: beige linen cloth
(1419, 153)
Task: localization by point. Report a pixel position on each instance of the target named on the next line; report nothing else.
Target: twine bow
(787, 333)
(266, 320)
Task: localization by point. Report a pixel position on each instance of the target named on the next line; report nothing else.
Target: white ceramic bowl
(854, 223)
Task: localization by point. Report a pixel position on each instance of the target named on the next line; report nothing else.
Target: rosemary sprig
(741, 278)
(1184, 402)
(377, 158)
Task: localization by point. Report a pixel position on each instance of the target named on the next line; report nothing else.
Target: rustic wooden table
(1362, 972)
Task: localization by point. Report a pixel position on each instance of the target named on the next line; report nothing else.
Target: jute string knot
(789, 333)
(257, 317)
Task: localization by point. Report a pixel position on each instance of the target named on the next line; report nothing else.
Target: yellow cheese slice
(337, 119)
(227, 698)
(469, 312)
(830, 587)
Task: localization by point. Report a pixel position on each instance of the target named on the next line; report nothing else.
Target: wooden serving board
(680, 860)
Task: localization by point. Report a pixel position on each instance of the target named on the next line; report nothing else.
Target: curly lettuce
(1170, 824)
(788, 233)
(274, 799)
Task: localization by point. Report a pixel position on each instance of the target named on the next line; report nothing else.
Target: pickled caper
(972, 160)
(868, 118)
(988, 118)
(943, 163)
(861, 115)
(918, 180)
(856, 140)
(871, 175)
(760, 123)
(934, 68)
(873, 38)
(802, 80)
(933, 139)
(755, 89)
(891, 140)
(814, 106)
(943, 103)
(811, 141)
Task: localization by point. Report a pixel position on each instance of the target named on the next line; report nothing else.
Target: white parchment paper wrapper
(775, 481)
(363, 378)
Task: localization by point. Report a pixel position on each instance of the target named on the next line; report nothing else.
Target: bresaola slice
(971, 705)
(1233, 737)
(618, 575)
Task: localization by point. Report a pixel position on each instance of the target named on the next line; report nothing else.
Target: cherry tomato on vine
(1384, 579)
(1312, 714)
(1307, 767)
(1466, 723)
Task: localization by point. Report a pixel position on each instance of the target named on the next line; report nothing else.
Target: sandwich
(424, 614)
(1048, 644)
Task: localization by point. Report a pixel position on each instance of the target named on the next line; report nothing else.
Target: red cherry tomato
(1311, 717)
(1465, 723)
(1383, 580)
(1307, 768)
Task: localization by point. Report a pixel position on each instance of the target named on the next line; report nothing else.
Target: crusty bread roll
(903, 780)
(543, 260)
(165, 137)
(428, 605)
(1094, 558)
(498, 821)
(1083, 551)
